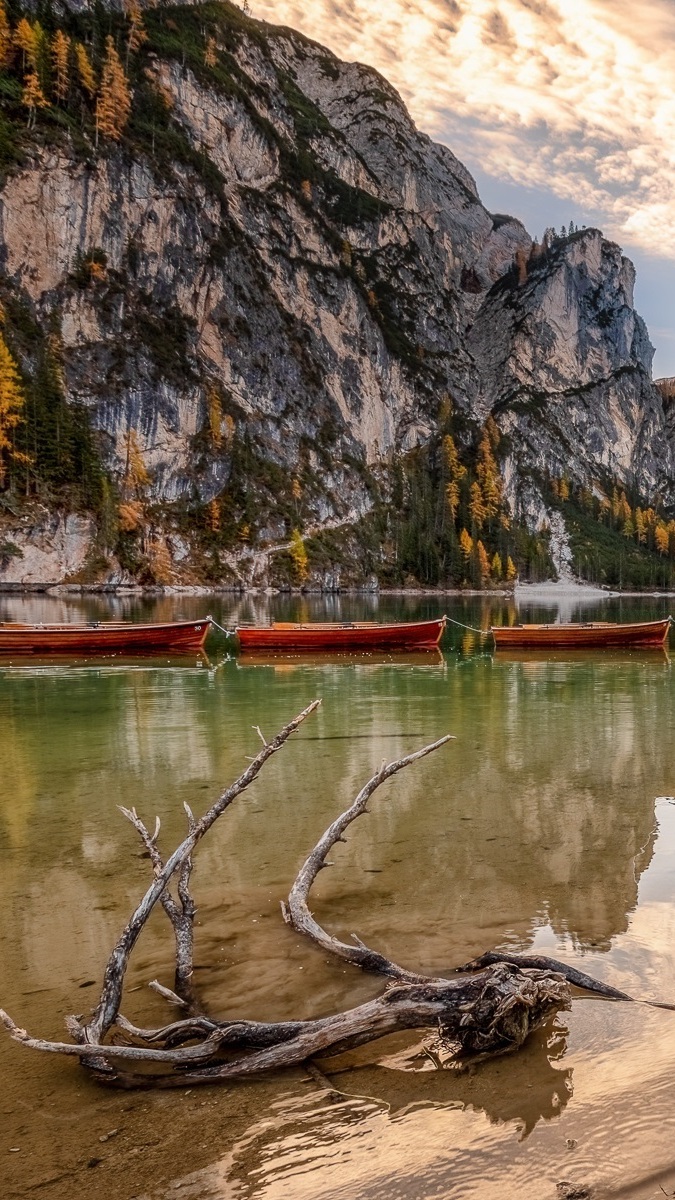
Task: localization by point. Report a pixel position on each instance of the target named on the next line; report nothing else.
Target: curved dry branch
(493, 1010)
(297, 913)
(108, 1006)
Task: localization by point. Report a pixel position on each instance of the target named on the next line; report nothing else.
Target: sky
(561, 109)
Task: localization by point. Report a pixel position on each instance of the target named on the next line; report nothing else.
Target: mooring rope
(471, 628)
(227, 632)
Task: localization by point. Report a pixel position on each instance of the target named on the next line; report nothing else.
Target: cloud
(574, 96)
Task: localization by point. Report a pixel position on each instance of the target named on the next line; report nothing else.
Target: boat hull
(595, 635)
(176, 637)
(357, 636)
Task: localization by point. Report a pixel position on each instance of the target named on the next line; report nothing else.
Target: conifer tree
(137, 33)
(496, 568)
(510, 569)
(33, 97)
(136, 476)
(85, 70)
(41, 58)
(113, 104)
(661, 538)
(24, 39)
(640, 526)
(488, 475)
(60, 59)
(466, 543)
(483, 561)
(213, 515)
(6, 40)
(210, 52)
(299, 557)
(12, 404)
(477, 509)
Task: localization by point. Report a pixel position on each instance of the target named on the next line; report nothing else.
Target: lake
(549, 824)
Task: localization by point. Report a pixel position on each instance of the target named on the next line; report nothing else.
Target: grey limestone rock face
(335, 282)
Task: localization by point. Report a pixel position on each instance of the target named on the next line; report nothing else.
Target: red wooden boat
(347, 635)
(103, 637)
(579, 635)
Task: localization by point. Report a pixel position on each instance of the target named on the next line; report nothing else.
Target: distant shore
(549, 590)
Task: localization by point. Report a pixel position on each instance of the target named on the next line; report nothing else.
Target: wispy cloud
(575, 96)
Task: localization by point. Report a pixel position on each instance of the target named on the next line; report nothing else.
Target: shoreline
(521, 592)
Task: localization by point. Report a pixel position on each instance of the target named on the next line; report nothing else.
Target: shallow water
(548, 823)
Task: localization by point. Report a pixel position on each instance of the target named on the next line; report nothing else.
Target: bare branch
(495, 1009)
(111, 994)
(297, 913)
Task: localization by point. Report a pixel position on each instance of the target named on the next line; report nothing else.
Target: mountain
(266, 331)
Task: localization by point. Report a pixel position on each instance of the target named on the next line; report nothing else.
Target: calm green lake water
(548, 823)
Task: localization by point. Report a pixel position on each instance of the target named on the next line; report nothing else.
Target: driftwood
(489, 1006)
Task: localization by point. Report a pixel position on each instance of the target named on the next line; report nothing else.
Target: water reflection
(536, 826)
(324, 1144)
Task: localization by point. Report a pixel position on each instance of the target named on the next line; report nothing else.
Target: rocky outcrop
(566, 369)
(331, 274)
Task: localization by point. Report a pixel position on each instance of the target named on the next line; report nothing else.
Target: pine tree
(496, 568)
(640, 526)
(452, 498)
(466, 543)
(136, 476)
(60, 59)
(661, 538)
(477, 509)
(488, 474)
(563, 489)
(213, 515)
(85, 70)
(41, 55)
(299, 557)
(114, 100)
(137, 34)
(159, 561)
(510, 569)
(6, 40)
(12, 404)
(33, 97)
(24, 39)
(482, 561)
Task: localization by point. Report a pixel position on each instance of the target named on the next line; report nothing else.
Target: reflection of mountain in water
(542, 811)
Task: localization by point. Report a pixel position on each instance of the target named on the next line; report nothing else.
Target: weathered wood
(297, 913)
(111, 995)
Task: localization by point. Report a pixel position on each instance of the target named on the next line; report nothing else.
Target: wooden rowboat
(103, 637)
(579, 635)
(347, 635)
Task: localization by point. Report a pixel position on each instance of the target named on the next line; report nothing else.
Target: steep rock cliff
(274, 232)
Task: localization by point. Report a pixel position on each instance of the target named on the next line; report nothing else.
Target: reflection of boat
(285, 660)
(98, 637)
(595, 634)
(608, 656)
(347, 635)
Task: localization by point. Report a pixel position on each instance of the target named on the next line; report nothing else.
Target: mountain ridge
(280, 298)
